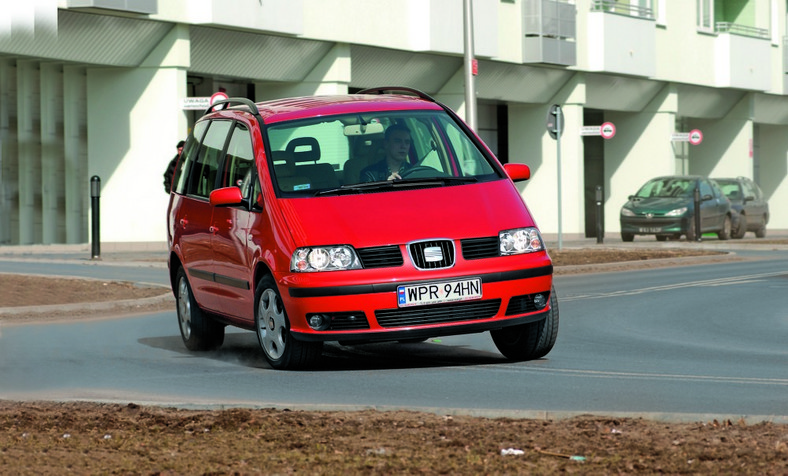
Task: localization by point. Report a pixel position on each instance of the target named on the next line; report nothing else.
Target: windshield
(667, 187)
(352, 153)
(730, 188)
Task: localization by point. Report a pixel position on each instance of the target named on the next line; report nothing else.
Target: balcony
(621, 38)
(742, 57)
(549, 32)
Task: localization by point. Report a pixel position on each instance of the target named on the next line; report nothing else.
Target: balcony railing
(611, 6)
(743, 30)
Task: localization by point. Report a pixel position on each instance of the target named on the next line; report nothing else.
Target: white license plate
(436, 293)
(655, 229)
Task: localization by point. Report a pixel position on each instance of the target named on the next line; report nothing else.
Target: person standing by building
(171, 167)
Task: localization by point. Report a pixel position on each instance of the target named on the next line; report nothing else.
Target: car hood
(658, 204)
(401, 216)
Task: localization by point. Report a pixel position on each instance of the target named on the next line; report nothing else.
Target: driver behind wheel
(396, 145)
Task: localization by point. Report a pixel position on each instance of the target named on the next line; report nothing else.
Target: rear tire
(198, 330)
(529, 341)
(662, 237)
(272, 326)
(725, 232)
(760, 232)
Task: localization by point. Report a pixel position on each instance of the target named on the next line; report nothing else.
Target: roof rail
(234, 101)
(394, 89)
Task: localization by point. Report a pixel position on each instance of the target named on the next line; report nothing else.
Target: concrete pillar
(52, 161)
(529, 143)
(640, 150)
(452, 94)
(9, 187)
(772, 174)
(134, 122)
(330, 76)
(76, 179)
(29, 140)
(725, 150)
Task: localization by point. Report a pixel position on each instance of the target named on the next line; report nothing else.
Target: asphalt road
(674, 343)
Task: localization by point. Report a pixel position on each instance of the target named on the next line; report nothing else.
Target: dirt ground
(91, 438)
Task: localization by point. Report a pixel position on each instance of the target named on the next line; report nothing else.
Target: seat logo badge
(649, 215)
(433, 254)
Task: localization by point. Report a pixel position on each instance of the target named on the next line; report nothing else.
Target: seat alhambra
(369, 217)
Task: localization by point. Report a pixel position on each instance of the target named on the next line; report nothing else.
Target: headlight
(626, 212)
(520, 240)
(677, 212)
(324, 258)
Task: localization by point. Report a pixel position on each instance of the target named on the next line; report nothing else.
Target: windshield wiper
(392, 184)
(434, 180)
(356, 188)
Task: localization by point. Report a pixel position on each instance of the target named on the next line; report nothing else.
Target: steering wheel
(421, 171)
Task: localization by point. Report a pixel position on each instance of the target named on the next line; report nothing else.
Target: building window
(705, 12)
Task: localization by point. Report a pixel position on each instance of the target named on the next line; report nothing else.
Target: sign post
(555, 127)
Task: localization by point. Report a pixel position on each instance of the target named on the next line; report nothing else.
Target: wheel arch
(175, 263)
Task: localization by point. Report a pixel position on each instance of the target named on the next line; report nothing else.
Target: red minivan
(368, 217)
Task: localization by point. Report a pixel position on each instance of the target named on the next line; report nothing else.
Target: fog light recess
(540, 301)
(319, 322)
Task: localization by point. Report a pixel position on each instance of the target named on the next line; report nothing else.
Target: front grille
(522, 304)
(478, 248)
(380, 257)
(438, 314)
(432, 254)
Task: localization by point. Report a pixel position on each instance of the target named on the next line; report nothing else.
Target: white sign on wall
(607, 130)
(202, 103)
(694, 137)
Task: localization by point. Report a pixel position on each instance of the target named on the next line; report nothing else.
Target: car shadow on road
(243, 349)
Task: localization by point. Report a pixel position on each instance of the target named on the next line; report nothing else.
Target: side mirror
(706, 198)
(517, 172)
(226, 197)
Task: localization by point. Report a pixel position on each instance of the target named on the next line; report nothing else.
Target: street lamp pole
(470, 86)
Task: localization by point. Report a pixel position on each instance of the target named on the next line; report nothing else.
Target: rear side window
(239, 160)
(202, 172)
(188, 156)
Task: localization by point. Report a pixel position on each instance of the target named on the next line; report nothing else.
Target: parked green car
(751, 207)
(665, 207)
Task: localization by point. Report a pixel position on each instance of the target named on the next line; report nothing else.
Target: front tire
(725, 232)
(272, 326)
(742, 229)
(198, 330)
(627, 237)
(529, 341)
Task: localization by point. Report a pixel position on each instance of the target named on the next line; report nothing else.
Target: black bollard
(95, 193)
(599, 228)
(697, 214)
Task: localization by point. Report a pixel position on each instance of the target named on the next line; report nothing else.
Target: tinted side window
(239, 160)
(202, 174)
(749, 190)
(188, 156)
(705, 189)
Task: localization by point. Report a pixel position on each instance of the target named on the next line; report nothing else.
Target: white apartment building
(99, 88)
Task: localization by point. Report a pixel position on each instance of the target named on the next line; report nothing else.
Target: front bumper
(369, 312)
(641, 225)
